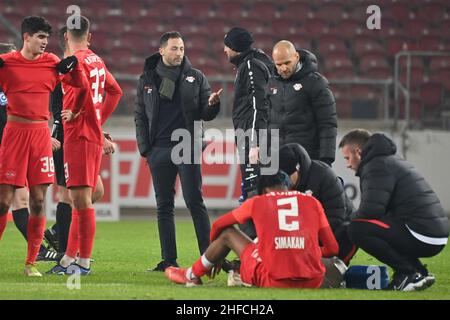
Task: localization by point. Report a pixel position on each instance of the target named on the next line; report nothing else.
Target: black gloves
(2, 63)
(66, 65)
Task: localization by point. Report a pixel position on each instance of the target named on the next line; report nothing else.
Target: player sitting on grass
(289, 226)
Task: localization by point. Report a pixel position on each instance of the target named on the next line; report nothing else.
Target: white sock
(206, 263)
(66, 261)
(189, 274)
(84, 262)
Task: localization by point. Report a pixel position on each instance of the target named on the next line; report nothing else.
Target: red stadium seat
(344, 108)
(330, 11)
(266, 11)
(345, 72)
(431, 94)
(430, 43)
(230, 9)
(438, 63)
(362, 46)
(284, 27)
(296, 11)
(331, 43)
(441, 76)
(400, 11)
(433, 12)
(200, 9)
(315, 26)
(378, 72)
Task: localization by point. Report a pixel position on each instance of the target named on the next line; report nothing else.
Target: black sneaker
(429, 277)
(411, 282)
(47, 255)
(234, 265)
(163, 265)
(51, 238)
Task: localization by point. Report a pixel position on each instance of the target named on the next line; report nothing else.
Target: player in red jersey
(83, 141)
(27, 78)
(289, 226)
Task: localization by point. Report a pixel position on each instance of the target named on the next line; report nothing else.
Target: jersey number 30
(284, 213)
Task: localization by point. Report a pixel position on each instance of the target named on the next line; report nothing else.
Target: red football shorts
(254, 272)
(82, 161)
(26, 154)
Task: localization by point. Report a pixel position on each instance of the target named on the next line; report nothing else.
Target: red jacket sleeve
(224, 221)
(330, 246)
(113, 95)
(238, 215)
(77, 79)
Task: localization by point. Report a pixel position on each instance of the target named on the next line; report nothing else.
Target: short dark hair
(356, 137)
(169, 35)
(34, 24)
(279, 179)
(7, 47)
(82, 30)
(61, 39)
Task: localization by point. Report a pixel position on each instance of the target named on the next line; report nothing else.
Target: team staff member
(400, 218)
(318, 178)
(172, 95)
(302, 105)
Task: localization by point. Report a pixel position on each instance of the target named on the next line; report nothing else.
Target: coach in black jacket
(400, 218)
(318, 178)
(171, 95)
(302, 105)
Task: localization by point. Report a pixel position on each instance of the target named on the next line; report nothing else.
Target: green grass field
(124, 250)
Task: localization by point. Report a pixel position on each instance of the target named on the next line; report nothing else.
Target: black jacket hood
(377, 145)
(253, 53)
(152, 61)
(309, 65)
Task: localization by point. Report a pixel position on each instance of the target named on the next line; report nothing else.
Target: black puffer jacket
(254, 69)
(195, 92)
(392, 187)
(325, 185)
(304, 110)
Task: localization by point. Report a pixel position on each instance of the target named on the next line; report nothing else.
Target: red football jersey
(88, 124)
(28, 83)
(287, 225)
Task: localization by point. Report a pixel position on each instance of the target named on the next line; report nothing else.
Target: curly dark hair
(34, 24)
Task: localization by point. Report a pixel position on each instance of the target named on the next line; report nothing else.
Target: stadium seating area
(126, 31)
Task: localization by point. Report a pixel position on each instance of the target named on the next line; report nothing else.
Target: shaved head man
(286, 58)
(302, 104)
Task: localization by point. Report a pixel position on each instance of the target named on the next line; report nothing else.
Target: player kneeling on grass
(289, 226)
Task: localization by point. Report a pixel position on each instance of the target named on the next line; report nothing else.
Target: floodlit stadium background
(394, 79)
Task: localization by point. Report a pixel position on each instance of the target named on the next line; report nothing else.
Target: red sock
(3, 221)
(73, 242)
(198, 269)
(87, 232)
(35, 233)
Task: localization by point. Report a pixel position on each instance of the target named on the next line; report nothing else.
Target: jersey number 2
(284, 213)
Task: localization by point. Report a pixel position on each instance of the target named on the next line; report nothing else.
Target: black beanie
(289, 159)
(238, 39)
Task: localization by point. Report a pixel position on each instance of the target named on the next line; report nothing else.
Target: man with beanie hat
(254, 69)
(317, 177)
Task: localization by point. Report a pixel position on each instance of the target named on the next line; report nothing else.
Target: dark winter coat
(392, 187)
(304, 110)
(195, 92)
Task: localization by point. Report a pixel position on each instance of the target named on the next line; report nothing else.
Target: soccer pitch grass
(124, 250)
